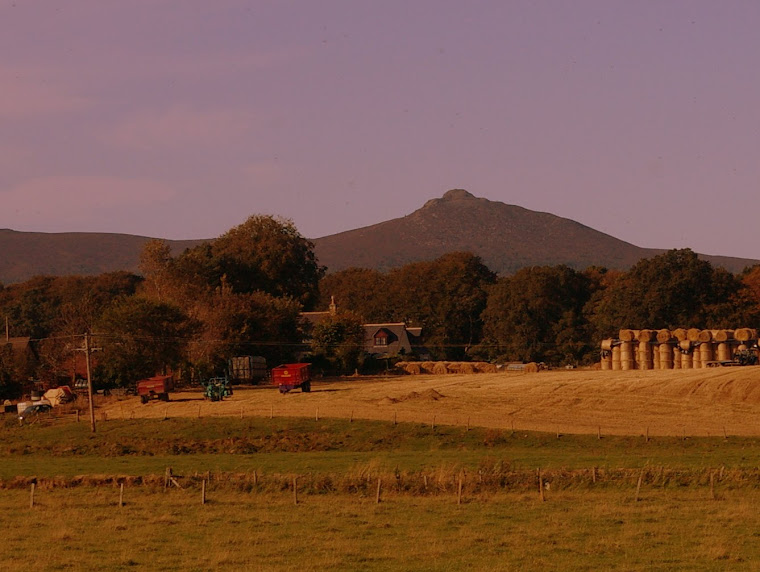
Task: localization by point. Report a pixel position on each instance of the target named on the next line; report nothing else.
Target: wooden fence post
(295, 490)
(638, 485)
(121, 495)
(31, 497)
(459, 490)
(712, 485)
(377, 495)
(540, 485)
(203, 491)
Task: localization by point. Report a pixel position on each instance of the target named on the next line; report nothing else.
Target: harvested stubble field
(703, 402)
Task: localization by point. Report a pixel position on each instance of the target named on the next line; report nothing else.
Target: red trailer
(158, 386)
(291, 375)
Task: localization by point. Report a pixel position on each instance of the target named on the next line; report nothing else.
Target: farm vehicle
(291, 375)
(216, 388)
(741, 357)
(157, 387)
(247, 369)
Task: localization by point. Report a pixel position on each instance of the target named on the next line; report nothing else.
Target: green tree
(268, 253)
(360, 290)
(339, 340)
(254, 323)
(537, 315)
(446, 297)
(672, 290)
(11, 374)
(140, 338)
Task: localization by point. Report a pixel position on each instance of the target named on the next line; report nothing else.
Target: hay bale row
(677, 349)
(445, 367)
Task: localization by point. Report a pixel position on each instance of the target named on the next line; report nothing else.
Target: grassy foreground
(590, 519)
(85, 529)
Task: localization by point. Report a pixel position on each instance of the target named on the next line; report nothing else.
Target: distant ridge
(506, 237)
(27, 254)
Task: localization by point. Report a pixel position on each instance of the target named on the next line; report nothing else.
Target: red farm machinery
(291, 375)
(157, 387)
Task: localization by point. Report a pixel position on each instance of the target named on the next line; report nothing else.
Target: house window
(381, 340)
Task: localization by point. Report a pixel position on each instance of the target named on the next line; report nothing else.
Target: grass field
(614, 499)
(85, 529)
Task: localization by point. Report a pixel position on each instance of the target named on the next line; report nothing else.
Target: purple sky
(179, 118)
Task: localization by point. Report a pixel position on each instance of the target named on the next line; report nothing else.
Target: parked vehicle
(291, 375)
(34, 410)
(247, 369)
(216, 388)
(157, 387)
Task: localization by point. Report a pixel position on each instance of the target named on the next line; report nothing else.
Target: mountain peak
(452, 196)
(457, 195)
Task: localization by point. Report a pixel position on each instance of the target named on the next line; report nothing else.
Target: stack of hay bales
(677, 349)
(446, 367)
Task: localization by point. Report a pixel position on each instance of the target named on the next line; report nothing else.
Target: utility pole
(87, 352)
(89, 379)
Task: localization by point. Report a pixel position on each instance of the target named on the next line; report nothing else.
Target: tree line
(242, 294)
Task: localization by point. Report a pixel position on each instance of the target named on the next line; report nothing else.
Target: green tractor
(216, 388)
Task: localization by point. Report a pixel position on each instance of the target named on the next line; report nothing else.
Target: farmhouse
(385, 340)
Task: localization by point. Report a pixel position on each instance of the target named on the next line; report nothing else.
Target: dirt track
(693, 402)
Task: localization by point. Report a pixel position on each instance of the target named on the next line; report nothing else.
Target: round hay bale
(676, 358)
(704, 336)
(745, 334)
(646, 335)
(705, 353)
(723, 335)
(645, 355)
(466, 367)
(685, 345)
(531, 367)
(679, 334)
(440, 368)
(616, 358)
(485, 367)
(626, 356)
(413, 368)
(666, 356)
(607, 344)
(627, 335)
(692, 334)
(664, 336)
(427, 366)
(724, 352)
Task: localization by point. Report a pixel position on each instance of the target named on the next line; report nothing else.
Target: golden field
(702, 402)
